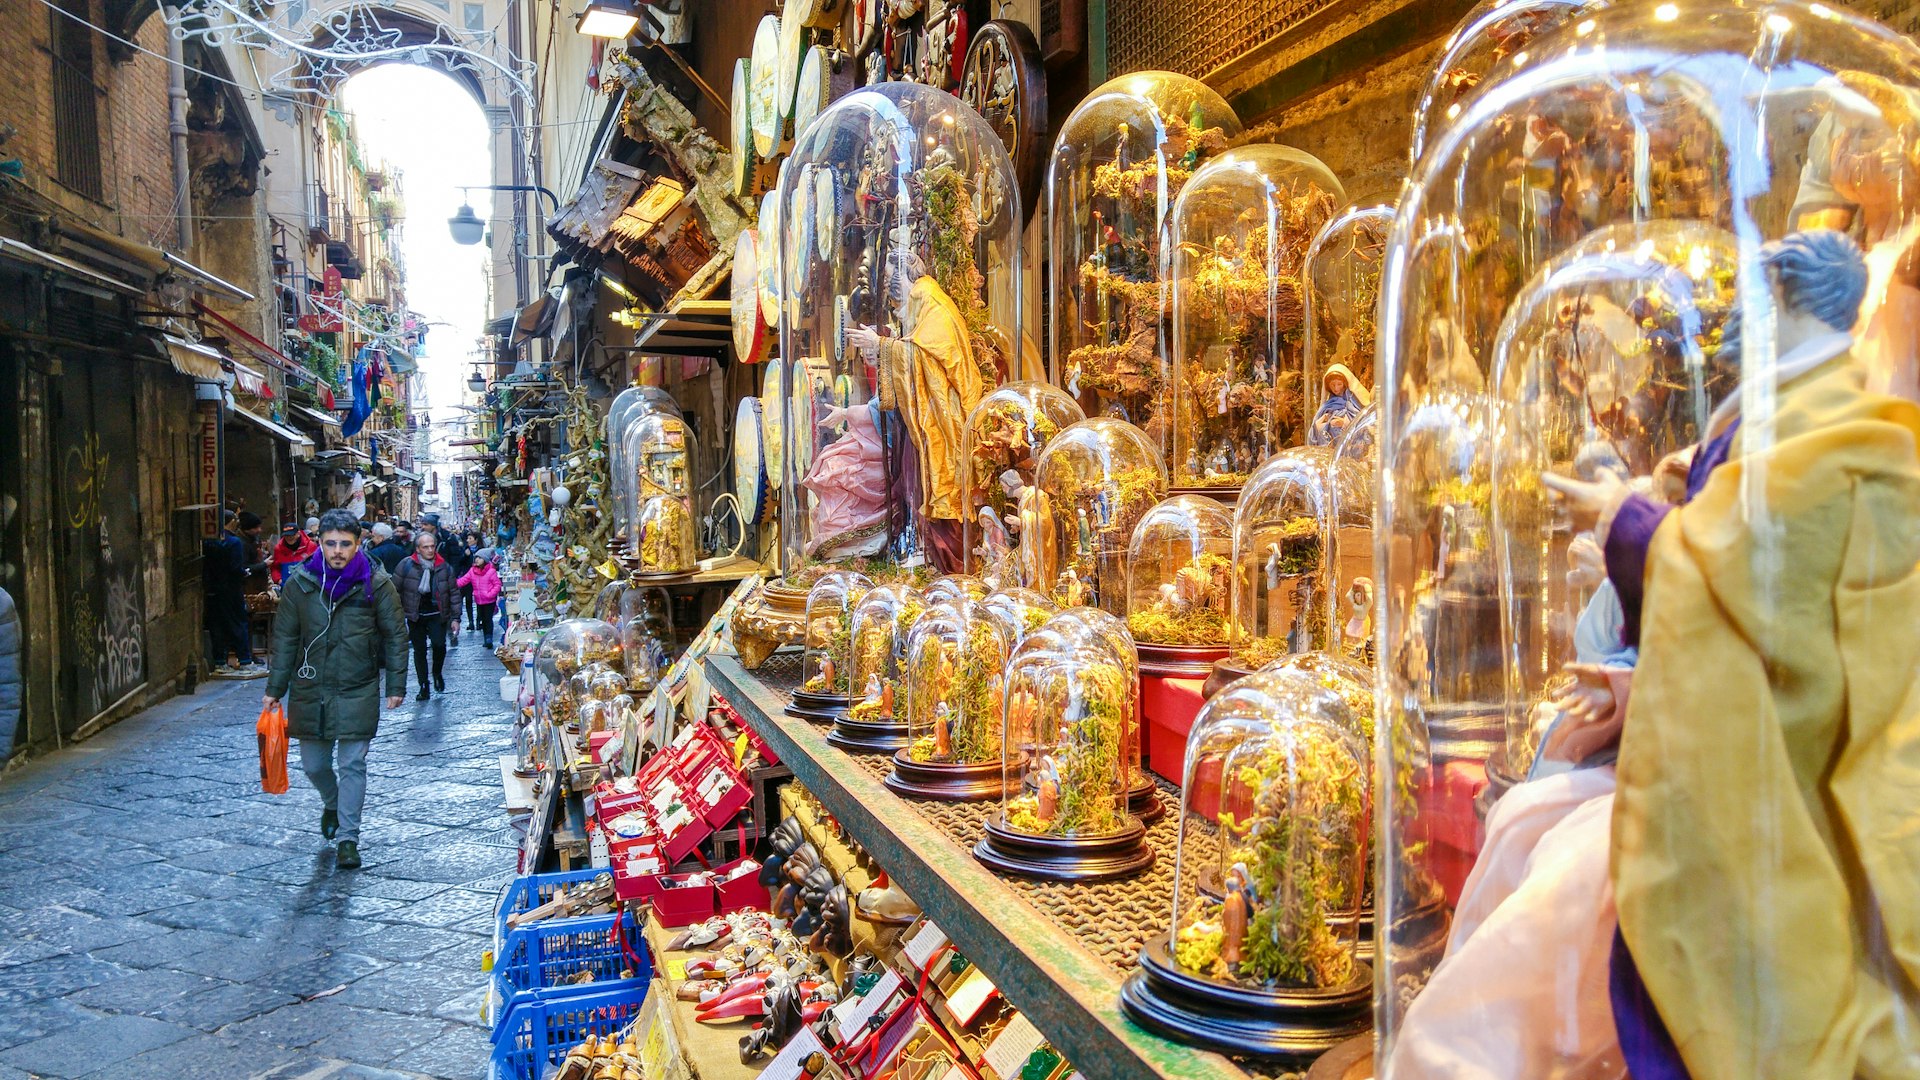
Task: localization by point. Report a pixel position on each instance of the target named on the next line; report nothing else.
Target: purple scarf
(337, 584)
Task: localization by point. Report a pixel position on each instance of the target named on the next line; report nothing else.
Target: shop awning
(260, 349)
(313, 415)
(250, 382)
(203, 362)
(301, 445)
(16, 251)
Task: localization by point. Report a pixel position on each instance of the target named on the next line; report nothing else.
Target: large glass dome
(574, 648)
(1117, 166)
(1005, 435)
(1269, 878)
(1239, 239)
(901, 258)
(1342, 278)
(1092, 484)
(1180, 567)
(627, 409)
(956, 662)
(1667, 227)
(1490, 43)
(1282, 577)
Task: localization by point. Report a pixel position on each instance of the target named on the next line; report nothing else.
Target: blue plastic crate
(557, 952)
(529, 891)
(540, 1027)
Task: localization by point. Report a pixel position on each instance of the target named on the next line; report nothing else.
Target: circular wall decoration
(825, 77)
(749, 460)
(799, 250)
(764, 67)
(773, 411)
(1006, 83)
(793, 47)
(826, 214)
(744, 159)
(770, 257)
(800, 419)
(751, 341)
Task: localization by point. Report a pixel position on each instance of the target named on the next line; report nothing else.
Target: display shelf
(518, 789)
(1069, 990)
(697, 327)
(711, 1051)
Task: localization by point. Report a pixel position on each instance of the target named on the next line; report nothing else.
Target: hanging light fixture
(609, 19)
(466, 226)
(477, 382)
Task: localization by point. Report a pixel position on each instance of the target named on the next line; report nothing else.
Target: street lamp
(609, 19)
(466, 226)
(477, 382)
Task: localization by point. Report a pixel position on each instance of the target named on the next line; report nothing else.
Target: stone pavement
(161, 918)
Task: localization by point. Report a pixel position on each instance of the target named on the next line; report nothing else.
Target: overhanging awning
(313, 415)
(203, 362)
(248, 381)
(33, 256)
(300, 444)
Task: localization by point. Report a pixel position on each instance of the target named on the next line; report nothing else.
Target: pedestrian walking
(389, 547)
(294, 548)
(483, 584)
(425, 581)
(12, 682)
(338, 627)
(471, 547)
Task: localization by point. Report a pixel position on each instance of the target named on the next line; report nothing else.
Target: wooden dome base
(1289, 1026)
(1065, 858)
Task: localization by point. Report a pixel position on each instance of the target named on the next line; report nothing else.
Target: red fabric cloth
(284, 556)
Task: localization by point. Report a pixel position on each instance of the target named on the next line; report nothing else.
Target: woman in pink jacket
(485, 581)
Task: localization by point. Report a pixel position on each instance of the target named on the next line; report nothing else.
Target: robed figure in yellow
(928, 374)
(1766, 827)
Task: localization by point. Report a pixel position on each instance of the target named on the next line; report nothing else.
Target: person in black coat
(388, 549)
(428, 596)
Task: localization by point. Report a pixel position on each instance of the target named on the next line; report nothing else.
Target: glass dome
(951, 587)
(901, 255)
(1117, 166)
(1283, 581)
(881, 622)
(639, 614)
(1238, 241)
(1019, 611)
(1489, 44)
(1092, 484)
(826, 668)
(654, 463)
(1275, 814)
(1110, 633)
(1657, 273)
(628, 407)
(568, 649)
(956, 660)
(1342, 278)
(1179, 571)
(1064, 812)
(1005, 435)
(663, 532)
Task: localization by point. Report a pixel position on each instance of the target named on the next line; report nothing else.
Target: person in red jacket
(485, 582)
(294, 548)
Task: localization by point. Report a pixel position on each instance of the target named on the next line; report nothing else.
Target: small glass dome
(1488, 45)
(1282, 574)
(570, 648)
(1110, 633)
(1092, 484)
(1020, 611)
(1238, 241)
(1180, 564)
(663, 536)
(1117, 166)
(881, 621)
(902, 257)
(948, 588)
(640, 614)
(956, 660)
(1659, 229)
(1066, 728)
(826, 670)
(1275, 814)
(1351, 680)
(1005, 435)
(1342, 279)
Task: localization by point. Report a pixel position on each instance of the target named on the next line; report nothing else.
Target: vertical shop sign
(209, 468)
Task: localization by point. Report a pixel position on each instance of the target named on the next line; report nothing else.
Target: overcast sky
(430, 129)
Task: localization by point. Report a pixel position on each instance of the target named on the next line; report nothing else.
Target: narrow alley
(161, 918)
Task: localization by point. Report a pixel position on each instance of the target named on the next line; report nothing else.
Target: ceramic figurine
(1345, 400)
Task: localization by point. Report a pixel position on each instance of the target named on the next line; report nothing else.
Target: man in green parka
(338, 625)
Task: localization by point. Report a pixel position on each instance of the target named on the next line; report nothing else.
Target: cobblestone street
(162, 918)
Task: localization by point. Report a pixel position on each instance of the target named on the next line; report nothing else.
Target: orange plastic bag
(272, 730)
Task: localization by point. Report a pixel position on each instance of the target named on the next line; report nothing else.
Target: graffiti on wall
(121, 657)
(82, 470)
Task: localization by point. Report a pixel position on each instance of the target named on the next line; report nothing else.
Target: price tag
(790, 1063)
(1013, 1046)
(739, 749)
(856, 1021)
(970, 996)
(925, 942)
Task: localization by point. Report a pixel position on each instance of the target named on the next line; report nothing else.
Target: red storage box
(678, 904)
(742, 893)
(1169, 705)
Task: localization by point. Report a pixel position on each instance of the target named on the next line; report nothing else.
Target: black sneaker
(348, 856)
(329, 823)
(423, 695)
